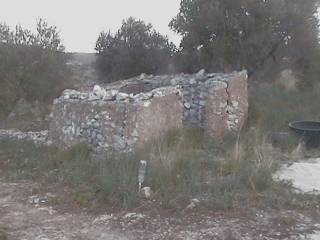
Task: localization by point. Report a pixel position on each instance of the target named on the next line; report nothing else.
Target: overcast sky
(80, 21)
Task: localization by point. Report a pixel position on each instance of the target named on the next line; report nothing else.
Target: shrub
(136, 48)
(32, 65)
(271, 107)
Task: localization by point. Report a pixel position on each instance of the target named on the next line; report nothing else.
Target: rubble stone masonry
(129, 113)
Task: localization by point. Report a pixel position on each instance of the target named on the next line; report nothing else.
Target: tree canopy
(135, 48)
(32, 65)
(223, 35)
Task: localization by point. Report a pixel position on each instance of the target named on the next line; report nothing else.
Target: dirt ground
(28, 216)
(24, 219)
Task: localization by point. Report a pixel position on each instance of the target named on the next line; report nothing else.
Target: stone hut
(128, 113)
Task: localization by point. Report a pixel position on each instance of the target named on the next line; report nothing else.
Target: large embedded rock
(152, 118)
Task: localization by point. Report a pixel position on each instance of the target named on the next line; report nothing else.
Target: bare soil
(27, 214)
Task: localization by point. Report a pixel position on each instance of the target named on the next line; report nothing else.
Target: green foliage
(260, 36)
(24, 160)
(222, 175)
(136, 48)
(112, 178)
(32, 65)
(118, 179)
(271, 107)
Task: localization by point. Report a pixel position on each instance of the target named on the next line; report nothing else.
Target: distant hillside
(82, 58)
(83, 71)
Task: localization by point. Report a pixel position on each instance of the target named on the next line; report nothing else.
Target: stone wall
(40, 138)
(200, 94)
(117, 121)
(128, 113)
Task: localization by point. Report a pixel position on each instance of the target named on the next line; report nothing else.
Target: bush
(32, 65)
(136, 48)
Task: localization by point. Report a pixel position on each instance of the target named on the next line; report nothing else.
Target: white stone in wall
(99, 91)
(147, 103)
(122, 96)
(235, 104)
(36, 137)
(193, 89)
(201, 73)
(187, 105)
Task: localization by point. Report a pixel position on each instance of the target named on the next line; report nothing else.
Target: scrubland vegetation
(264, 37)
(32, 66)
(181, 166)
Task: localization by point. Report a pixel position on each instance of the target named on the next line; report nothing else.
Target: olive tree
(135, 48)
(258, 35)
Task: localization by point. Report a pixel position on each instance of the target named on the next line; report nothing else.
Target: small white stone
(187, 105)
(93, 97)
(235, 103)
(201, 72)
(135, 133)
(141, 96)
(100, 92)
(174, 81)
(193, 203)
(193, 81)
(147, 192)
(122, 96)
(103, 218)
(66, 97)
(143, 76)
(191, 206)
(114, 92)
(147, 103)
(84, 96)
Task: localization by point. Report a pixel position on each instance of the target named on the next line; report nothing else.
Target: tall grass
(181, 166)
(3, 234)
(112, 178)
(223, 175)
(272, 107)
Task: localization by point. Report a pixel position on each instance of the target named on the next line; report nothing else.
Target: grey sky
(80, 21)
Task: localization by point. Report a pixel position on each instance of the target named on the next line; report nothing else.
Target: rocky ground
(305, 175)
(25, 215)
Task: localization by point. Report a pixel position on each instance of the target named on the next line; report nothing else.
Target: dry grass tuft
(3, 235)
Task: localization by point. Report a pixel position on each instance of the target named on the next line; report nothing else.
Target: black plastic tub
(308, 131)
